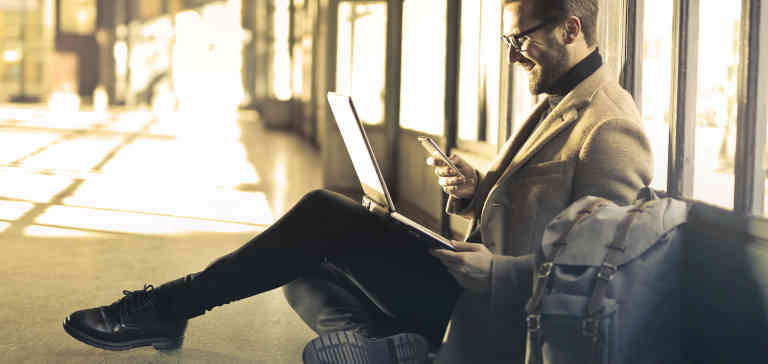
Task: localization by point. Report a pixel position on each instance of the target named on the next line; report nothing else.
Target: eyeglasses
(516, 41)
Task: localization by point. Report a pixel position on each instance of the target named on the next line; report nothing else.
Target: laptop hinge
(374, 207)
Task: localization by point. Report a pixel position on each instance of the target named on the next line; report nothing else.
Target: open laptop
(376, 195)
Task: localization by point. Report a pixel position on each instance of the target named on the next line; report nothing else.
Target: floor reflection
(80, 173)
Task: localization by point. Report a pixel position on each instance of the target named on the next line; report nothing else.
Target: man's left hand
(470, 265)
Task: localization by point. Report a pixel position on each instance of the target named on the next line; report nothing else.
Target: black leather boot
(352, 347)
(133, 321)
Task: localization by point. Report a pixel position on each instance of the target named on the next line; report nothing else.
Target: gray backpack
(606, 288)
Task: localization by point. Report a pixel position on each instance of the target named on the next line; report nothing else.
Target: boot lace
(135, 301)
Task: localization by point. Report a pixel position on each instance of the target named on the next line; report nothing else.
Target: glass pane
(469, 70)
(657, 84)
(491, 50)
(78, 16)
(522, 99)
(611, 32)
(716, 103)
(281, 62)
(422, 90)
(361, 57)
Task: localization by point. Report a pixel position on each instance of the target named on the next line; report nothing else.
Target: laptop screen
(359, 149)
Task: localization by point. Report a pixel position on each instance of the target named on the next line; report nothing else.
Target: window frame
(750, 184)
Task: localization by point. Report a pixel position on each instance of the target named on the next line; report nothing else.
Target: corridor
(92, 204)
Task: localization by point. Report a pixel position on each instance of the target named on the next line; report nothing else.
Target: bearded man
(374, 293)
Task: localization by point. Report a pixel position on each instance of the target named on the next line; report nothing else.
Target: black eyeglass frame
(515, 40)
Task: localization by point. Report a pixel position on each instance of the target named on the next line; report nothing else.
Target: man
(377, 296)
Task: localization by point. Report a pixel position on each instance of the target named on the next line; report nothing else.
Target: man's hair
(559, 10)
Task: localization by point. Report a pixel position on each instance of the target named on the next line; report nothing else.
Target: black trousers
(342, 267)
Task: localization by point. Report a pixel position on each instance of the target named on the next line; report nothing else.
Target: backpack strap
(543, 271)
(590, 326)
(533, 319)
(609, 267)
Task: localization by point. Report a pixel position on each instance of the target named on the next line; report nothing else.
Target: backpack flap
(588, 241)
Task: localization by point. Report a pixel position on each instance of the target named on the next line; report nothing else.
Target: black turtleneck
(575, 75)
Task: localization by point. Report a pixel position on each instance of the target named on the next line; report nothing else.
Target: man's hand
(450, 181)
(470, 265)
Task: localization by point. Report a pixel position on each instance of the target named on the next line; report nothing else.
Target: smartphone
(434, 150)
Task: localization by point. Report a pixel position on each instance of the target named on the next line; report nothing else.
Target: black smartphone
(434, 150)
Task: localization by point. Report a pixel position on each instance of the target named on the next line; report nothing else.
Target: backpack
(607, 284)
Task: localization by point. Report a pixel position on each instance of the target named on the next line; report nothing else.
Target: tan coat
(592, 143)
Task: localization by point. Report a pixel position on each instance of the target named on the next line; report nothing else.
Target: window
(490, 48)
(480, 70)
(657, 84)
(361, 57)
(422, 85)
(469, 71)
(78, 16)
(611, 30)
(716, 103)
(281, 61)
(26, 47)
(522, 99)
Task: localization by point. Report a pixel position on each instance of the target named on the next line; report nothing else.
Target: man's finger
(464, 246)
(451, 181)
(446, 256)
(435, 162)
(445, 171)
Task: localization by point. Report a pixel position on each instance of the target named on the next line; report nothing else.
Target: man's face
(542, 55)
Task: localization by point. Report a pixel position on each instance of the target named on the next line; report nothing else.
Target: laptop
(376, 197)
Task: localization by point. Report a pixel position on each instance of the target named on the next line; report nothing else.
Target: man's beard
(541, 78)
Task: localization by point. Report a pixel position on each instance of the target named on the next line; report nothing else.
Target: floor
(93, 203)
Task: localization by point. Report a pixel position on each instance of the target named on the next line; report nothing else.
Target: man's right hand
(452, 183)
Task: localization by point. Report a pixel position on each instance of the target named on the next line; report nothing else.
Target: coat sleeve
(614, 162)
(511, 285)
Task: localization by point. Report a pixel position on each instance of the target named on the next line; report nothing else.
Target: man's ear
(572, 29)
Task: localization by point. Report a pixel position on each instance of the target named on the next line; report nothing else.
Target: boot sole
(161, 344)
(346, 347)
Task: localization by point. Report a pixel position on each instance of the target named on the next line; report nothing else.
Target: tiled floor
(91, 204)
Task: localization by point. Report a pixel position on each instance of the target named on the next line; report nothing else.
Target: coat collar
(562, 116)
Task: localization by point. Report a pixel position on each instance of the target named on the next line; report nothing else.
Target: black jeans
(342, 266)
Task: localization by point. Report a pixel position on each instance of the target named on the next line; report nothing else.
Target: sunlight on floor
(47, 231)
(133, 222)
(31, 187)
(12, 210)
(97, 173)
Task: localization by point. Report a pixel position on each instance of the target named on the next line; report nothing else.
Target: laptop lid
(359, 150)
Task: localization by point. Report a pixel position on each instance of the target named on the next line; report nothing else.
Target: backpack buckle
(590, 327)
(544, 270)
(533, 322)
(607, 271)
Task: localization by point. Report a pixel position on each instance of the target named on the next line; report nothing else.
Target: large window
(716, 102)
(281, 61)
(480, 70)
(26, 47)
(361, 56)
(77, 16)
(422, 90)
(490, 49)
(469, 70)
(657, 84)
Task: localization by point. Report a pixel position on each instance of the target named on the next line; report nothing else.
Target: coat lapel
(563, 116)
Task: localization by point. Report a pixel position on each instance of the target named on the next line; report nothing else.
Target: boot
(352, 347)
(138, 319)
